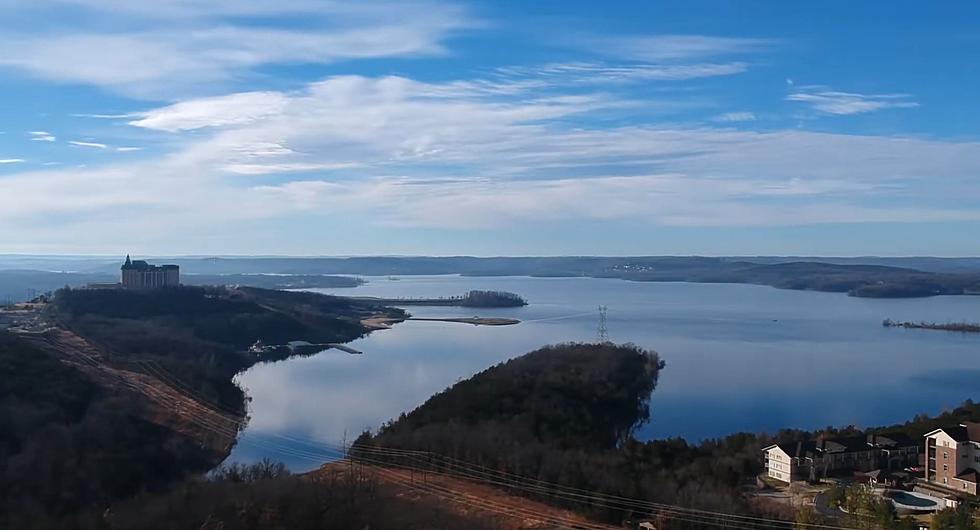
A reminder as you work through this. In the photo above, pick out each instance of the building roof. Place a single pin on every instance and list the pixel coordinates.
(972, 430)
(969, 475)
(892, 440)
(964, 432)
(845, 444)
(795, 449)
(848, 444)
(142, 266)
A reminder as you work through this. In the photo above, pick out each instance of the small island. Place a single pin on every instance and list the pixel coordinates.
(962, 327)
(476, 321)
(474, 298)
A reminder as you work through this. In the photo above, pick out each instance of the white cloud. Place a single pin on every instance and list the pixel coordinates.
(272, 168)
(234, 109)
(93, 145)
(11, 160)
(516, 79)
(128, 149)
(42, 136)
(735, 117)
(103, 116)
(671, 199)
(185, 48)
(678, 47)
(406, 153)
(829, 101)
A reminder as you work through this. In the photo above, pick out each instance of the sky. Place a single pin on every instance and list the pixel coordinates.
(322, 127)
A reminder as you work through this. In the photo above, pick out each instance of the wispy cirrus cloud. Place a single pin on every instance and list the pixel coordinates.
(11, 160)
(233, 109)
(408, 153)
(42, 136)
(600, 73)
(93, 145)
(290, 167)
(825, 100)
(181, 49)
(663, 48)
(732, 117)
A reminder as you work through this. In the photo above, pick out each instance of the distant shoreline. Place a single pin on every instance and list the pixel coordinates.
(380, 322)
(875, 278)
(961, 327)
(474, 298)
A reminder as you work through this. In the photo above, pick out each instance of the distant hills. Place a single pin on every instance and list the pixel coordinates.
(861, 276)
(383, 265)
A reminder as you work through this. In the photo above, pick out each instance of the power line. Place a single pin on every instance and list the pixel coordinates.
(381, 458)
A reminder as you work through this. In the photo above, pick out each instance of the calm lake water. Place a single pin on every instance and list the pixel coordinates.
(739, 358)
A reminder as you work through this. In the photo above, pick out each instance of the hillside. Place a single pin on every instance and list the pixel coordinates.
(19, 285)
(202, 334)
(67, 442)
(112, 393)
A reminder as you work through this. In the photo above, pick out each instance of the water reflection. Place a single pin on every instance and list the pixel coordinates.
(738, 357)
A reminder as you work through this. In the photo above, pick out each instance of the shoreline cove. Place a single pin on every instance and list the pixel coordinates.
(712, 336)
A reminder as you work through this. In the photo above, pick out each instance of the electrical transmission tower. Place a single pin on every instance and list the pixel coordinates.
(602, 333)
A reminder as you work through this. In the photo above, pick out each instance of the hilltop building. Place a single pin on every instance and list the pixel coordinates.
(813, 459)
(953, 457)
(139, 274)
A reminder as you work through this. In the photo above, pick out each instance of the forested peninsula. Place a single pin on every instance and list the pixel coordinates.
(104, 390)
(563, 415)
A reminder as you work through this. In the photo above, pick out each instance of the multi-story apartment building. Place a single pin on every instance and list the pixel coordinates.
(790, 462)
(953, 457)
(812, 459)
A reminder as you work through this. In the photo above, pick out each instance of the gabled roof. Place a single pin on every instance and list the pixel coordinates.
(846, 444)
(849, 444)
(794, 449)
(892, 440)
(964, 432)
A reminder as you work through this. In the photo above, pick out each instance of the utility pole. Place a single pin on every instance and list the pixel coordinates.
(602, 333)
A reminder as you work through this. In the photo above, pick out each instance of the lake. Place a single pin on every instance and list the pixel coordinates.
(739, 358)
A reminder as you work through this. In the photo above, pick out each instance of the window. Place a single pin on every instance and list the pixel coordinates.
(945, 467)
(945, 455)
(977, 459)
(945, 480)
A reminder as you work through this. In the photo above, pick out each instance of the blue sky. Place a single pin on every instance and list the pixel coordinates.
(316, 127)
